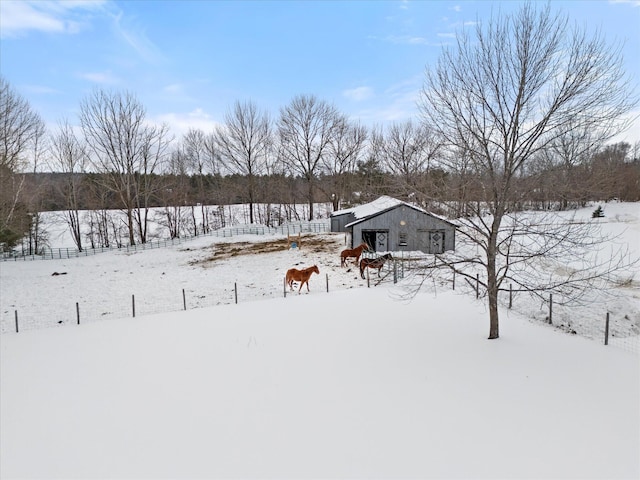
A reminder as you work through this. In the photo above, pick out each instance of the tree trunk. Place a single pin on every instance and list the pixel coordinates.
(132, 238)
(492, 280)
(310, 199)
(492, 292)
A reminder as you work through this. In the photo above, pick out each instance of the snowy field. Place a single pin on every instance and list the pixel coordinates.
(350, 383)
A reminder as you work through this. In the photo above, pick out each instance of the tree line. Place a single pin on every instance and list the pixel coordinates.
(311, 154)
(519, 113)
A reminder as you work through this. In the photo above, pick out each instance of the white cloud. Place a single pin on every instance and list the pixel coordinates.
(633, 3)
(66, 17)
(180, 123)
(134, 36)
(400, 103)
(17, 17)
(39, 89)
(632, 134)
(104, 78)
(411, 40)
(174, 89)
(358, 94)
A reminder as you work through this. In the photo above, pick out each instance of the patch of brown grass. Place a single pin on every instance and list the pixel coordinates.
(312, 243)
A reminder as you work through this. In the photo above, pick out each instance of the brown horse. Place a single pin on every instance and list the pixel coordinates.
(374, 263)
(302, 276)
(352, 253)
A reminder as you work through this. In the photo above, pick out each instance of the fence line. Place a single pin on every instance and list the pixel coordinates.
(622, 333)
(64, 253)
(130, 306)
(617, 332)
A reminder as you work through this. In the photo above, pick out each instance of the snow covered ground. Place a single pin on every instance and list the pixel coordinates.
(349, 383)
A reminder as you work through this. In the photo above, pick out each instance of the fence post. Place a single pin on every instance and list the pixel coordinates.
(454, 280)
(235, 288)
(327, 276)
(510, 295)
(78, 312)
(395, 271)
(184, 300)
(368, 284)
(551, 309)
(477, 286)
(133, 305)
(606, 330)
(17, 329)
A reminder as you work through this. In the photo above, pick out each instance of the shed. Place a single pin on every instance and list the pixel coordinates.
(389, 224)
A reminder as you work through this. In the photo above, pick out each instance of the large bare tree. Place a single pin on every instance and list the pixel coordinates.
(505, 93)
(69, 157)
(21, 130)
(245, 142)
(345, 150)
(127, 150)
(409, 151)
(307, 126)
(201, 157)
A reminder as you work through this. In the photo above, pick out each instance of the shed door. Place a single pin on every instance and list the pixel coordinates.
(381, 242)
(436, 241)
(378, 240)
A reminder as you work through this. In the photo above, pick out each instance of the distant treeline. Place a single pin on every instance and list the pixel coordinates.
(561, 187)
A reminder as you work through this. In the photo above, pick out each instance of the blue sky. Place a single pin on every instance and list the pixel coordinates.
(188, 61)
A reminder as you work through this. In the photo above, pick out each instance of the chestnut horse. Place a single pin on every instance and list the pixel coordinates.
(374, 263)
(352, 253)
(302, 276)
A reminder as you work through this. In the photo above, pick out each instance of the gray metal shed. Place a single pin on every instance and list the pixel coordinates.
(388, 224)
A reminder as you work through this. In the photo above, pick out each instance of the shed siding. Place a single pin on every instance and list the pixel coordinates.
(338, 222)
(414, 235)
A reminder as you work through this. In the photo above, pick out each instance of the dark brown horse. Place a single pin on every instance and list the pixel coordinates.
(302, 276)
(377, 263)
(352, 253)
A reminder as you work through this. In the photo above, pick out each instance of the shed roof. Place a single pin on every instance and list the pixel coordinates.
(381, 205)
(361, 211)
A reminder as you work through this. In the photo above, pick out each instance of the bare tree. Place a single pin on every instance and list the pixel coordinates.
(502, 96)
(345, 150)
(21, 128)
(409, 151)
(371, 175)
(69, 157)
(244, 142)
(306, 127)
(201, 158)
(174, 195)
(126, 150)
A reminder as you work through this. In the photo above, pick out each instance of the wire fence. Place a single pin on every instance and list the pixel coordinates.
(615, 329)
(104, 307)
(64, 253)
(608, 325)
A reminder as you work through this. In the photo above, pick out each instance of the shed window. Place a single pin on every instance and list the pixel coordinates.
(403, 239)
